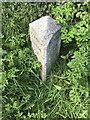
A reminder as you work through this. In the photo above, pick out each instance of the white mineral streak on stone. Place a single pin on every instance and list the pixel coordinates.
(44, 35)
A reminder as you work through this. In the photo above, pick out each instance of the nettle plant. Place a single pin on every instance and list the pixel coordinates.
(75, 20)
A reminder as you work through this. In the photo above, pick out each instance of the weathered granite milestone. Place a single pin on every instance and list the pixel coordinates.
(45, 38)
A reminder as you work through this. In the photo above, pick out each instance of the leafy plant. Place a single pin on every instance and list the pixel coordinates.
(75, 21)
(65, 94)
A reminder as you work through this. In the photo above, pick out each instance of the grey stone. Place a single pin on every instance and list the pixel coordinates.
(45, 39)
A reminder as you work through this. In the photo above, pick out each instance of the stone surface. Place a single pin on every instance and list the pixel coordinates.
(45, 38)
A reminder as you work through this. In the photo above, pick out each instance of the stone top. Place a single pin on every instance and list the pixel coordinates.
(44, 28)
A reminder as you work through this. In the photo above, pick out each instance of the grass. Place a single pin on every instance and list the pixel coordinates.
(25, 96)
(58, 97)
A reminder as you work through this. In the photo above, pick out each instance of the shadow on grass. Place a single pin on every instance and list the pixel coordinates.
(57, 98)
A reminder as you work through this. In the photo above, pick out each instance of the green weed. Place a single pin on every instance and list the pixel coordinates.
(65, 94)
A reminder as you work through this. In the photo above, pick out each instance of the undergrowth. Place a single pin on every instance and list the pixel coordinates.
(65, 94)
